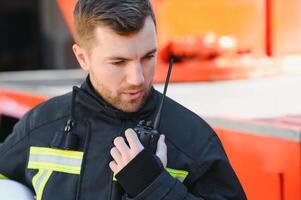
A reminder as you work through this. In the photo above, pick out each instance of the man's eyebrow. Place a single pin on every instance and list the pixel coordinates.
(116, 58)
(125, 59)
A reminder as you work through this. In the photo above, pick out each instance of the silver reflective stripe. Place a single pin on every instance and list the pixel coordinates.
(39, 182)
(55, 160)
(179, 178)
(40, 179)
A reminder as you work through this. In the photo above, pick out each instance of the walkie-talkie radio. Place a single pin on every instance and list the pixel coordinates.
(148, 134)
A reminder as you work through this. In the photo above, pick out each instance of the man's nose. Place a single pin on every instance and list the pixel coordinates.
(135, 74)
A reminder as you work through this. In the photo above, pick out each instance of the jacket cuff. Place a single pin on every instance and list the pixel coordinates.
(164, 187)
(139, 173)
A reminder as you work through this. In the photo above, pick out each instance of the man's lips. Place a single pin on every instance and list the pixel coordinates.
(133, 95)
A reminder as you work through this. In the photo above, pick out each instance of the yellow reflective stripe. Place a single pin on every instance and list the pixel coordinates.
(114, 178)
(55, 160)
(42, 186)
(54, 167)
(39, 181)
(34, 180)
(179, 174)
(2, 177)
(56, 152)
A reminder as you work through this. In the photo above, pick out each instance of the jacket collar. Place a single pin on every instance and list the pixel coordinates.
(94, 102)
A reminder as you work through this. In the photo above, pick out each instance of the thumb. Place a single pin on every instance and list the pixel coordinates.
(162, 150)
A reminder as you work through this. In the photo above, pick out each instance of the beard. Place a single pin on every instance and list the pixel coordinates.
(116, 100)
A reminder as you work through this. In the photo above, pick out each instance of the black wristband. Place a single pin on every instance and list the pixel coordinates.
(139, 173)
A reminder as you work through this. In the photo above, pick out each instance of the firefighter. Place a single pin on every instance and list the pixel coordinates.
(82, 145)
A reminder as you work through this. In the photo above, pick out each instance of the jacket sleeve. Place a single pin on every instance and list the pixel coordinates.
(14, 153)
(216, 180)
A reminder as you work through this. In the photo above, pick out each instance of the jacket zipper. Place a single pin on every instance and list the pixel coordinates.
(85, 150)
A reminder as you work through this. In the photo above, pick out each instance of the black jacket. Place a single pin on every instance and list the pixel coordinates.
(35, 155)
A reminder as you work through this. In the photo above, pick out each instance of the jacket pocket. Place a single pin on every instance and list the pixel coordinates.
(47, 161)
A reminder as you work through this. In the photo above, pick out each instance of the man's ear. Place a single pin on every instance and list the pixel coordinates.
(81, 56)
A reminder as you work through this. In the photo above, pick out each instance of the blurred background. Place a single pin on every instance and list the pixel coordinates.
(238, 65)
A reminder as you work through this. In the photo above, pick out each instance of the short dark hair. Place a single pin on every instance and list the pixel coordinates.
(123, 16)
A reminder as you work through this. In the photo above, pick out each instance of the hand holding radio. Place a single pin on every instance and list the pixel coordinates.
(123, 153)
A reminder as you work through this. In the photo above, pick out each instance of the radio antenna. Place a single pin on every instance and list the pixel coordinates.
(158, 116)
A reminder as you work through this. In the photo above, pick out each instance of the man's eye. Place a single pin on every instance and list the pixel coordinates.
(118, 62)
(149, 56)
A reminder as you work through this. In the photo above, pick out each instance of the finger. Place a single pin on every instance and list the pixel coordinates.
(162, 150)
(116, 155)
(132, 139)
(161, 146)
(114, 167)
(122, 147)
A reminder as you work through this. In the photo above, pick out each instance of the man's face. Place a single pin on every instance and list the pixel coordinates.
(121, 68)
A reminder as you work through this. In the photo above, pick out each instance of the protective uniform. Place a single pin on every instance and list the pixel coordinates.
(61, 150)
